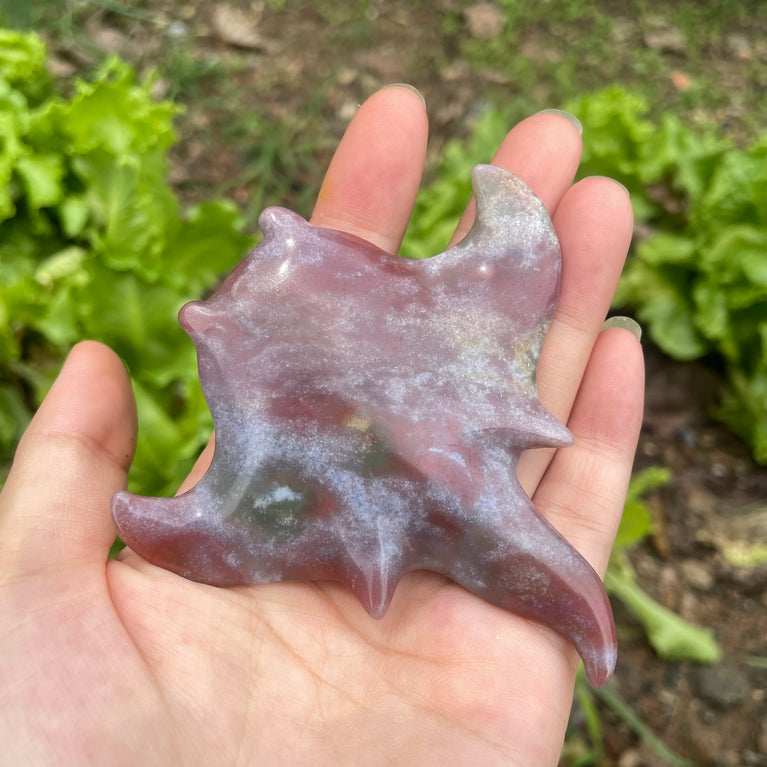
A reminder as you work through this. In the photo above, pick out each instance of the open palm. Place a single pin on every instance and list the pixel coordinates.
(118, 662)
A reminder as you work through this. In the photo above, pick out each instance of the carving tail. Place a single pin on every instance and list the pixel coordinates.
(174, 533)
(534, 572)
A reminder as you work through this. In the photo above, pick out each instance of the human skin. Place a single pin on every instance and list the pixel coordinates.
(119, 662)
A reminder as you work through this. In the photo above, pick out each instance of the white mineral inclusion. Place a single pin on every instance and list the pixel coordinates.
(278, 495)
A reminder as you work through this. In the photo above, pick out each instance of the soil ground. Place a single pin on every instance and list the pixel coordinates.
(268, 92)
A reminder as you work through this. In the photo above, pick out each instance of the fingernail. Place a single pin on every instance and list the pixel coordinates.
(408, 87)
(572, 119)
(626, 323)
(614, 182)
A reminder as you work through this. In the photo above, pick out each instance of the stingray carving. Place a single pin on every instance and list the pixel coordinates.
(369, 413)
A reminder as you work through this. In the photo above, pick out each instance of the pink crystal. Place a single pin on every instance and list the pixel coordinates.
(369, 413)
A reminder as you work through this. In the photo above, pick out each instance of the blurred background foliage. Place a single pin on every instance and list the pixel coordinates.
(95, 242)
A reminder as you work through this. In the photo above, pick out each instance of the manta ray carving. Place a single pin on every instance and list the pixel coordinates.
(369, 413)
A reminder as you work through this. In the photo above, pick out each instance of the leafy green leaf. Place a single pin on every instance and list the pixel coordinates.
(636, 521)
(14, 122)
(131, 209)
(744, 408)
(140, 320)
(94, 243)
(22, 62)
(167, 447)
(208, 245)
(672, 637)
(646, 480)
(74, 212)
(42, 175)
(669, 314)
(698, 281)
(116, 115)
(668, 248)
(686, 157)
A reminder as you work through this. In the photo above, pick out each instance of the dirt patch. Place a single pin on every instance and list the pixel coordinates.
(714, 503)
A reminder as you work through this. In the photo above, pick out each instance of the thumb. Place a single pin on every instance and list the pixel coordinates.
(75, 454)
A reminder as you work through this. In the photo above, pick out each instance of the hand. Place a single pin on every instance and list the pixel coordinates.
(119, 662)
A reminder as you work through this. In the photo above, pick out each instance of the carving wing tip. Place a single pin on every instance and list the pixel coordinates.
(496, 187)
(275, 216)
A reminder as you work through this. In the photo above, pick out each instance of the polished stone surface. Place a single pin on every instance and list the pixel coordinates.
(369, 413)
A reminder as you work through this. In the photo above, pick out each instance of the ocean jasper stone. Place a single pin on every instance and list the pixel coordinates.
(370, 411)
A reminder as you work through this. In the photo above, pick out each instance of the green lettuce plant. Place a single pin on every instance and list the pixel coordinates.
(698, 282)
(672, 637)
(95, 244)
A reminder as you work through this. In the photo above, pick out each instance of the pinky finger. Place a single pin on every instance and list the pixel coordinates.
(584, 489)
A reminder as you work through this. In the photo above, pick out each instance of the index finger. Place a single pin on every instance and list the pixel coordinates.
(544, 151)
(373, 178)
